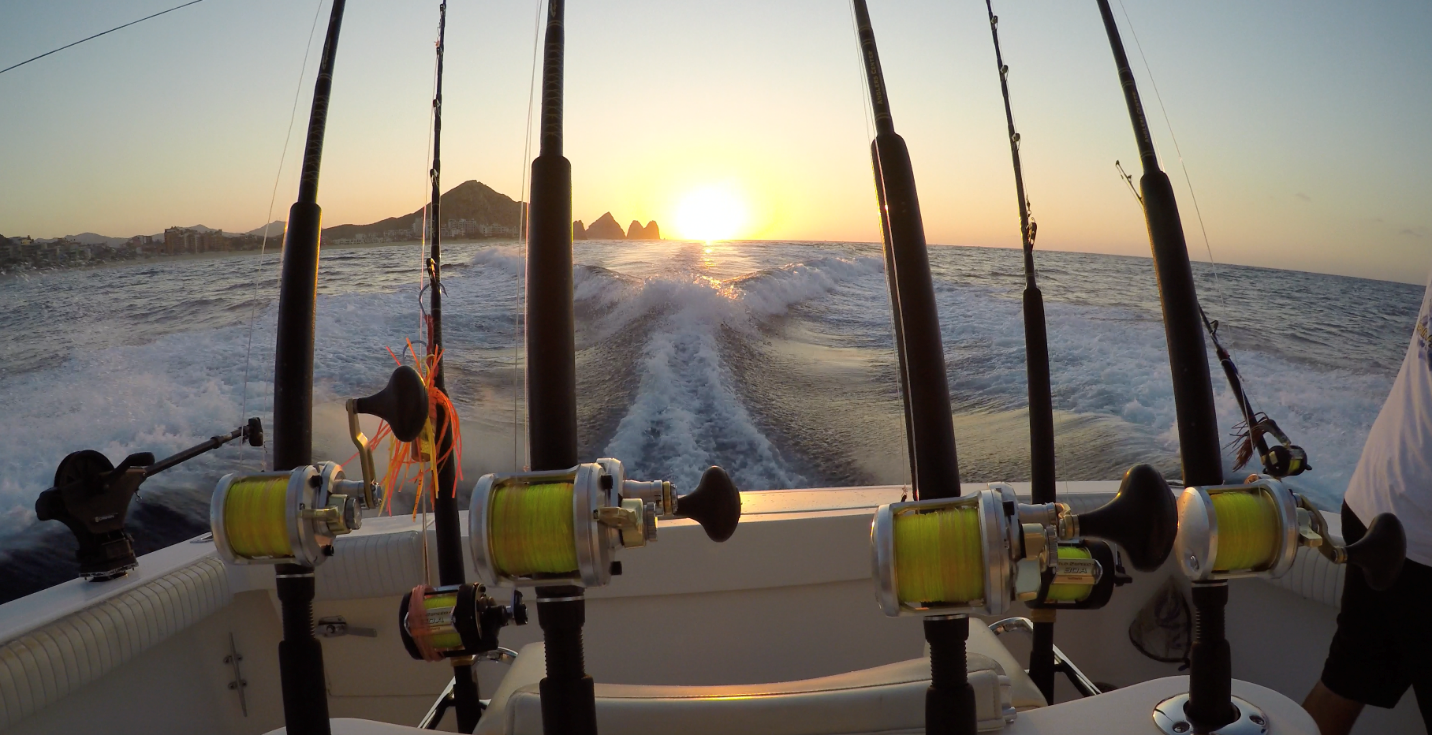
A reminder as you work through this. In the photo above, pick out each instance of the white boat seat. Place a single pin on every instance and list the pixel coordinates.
(883, 699)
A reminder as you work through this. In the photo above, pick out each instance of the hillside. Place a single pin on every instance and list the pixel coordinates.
(470, 200)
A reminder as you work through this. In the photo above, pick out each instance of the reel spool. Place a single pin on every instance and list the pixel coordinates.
(563, 526)
(1255, 530)
(284, 517)
(978, 553)
(293, 517)
(456, 621)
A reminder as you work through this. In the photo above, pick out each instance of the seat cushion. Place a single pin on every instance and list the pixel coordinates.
(883, 699)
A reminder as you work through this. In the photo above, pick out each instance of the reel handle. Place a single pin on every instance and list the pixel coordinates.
(1380, 552)
(1142, 518)
(403, 403)
(715, 504)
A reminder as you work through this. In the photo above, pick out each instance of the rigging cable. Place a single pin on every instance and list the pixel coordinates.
(268, 219)
(97, 35)
(519, 387)
(1041, 393)
(869, 116)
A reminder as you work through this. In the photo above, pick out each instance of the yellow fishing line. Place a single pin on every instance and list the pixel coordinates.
(1248, 531)
(442, 636)
(255, 519)
(939, 557)
(531, 530)
(1070, 592)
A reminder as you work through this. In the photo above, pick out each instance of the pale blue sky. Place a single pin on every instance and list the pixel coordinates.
(1304, 124)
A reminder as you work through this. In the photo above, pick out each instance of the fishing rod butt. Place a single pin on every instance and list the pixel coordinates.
(568, 694)
(300, 655)
(1183, 327)
(930, 416)
(950, 700)
(551, 322)
(1041, 403)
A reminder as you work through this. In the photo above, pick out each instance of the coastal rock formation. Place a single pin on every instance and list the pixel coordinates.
(637, 232)
(470, 209)
(605, 228)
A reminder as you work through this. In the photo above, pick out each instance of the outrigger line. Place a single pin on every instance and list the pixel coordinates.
(1041, 398)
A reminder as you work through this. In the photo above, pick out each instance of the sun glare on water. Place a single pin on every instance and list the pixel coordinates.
(711, 213)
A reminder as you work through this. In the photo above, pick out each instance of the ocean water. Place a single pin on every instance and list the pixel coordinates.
(773, 360)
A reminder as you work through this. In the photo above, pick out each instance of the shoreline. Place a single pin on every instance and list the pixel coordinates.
(187, 257)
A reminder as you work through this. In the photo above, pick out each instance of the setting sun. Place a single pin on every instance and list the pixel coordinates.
(711, 213)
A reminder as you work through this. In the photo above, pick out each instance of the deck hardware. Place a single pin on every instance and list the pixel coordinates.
(584, 514)
(1170, 719)
(335, 626)
(91, 497)
(238, 683)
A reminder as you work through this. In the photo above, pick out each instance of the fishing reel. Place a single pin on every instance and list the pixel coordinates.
(563, 526)
(1255, 530)
(457, 621)
(979, 553)
(293, 517)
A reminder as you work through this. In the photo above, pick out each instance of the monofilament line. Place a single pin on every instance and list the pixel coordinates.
(518, 384)
(97, 35)
(268, 219)
(1169, 124)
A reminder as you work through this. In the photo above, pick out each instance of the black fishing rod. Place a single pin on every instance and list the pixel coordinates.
(934, 466)
(569, 704)
(445, 509)
(1210, 703)
(305, 695)
(1041, 394)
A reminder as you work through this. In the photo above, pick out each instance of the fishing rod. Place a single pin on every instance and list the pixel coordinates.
(1218, 524)
(1210, 704)
(445, 508)
(934, 466)
(568, 694)
(305, 694)
(1041, 399)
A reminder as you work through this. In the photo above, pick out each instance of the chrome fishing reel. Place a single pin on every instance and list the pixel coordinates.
(563, 526)
(293, 517)
(1255, 530)
(979, 553)
(457, 621)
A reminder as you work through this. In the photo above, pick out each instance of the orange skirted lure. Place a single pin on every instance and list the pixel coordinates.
(412, 462)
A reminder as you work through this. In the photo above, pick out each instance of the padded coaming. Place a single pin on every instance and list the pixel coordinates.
(43, 666)
(369, 566)
(1314, 577)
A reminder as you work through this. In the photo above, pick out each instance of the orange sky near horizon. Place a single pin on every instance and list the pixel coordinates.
(1294, 121)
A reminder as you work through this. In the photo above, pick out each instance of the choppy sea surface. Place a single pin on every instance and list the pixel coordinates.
(772, 359)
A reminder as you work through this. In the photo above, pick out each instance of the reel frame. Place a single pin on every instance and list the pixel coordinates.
(319, 506)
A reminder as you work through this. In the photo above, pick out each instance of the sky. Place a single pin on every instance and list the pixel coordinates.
(1303, 124)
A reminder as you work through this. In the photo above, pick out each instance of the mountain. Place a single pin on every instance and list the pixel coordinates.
(275, 229)
(470, 200)
(637, 232)
(605, 228)
(90, 238)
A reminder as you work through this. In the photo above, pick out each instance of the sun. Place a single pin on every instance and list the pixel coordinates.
(711, 213)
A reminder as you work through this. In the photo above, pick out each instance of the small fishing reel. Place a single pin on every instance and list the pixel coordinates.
(978, 553)
(1255, 530)
(293, 517)
(457, 621)
(563, 526)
